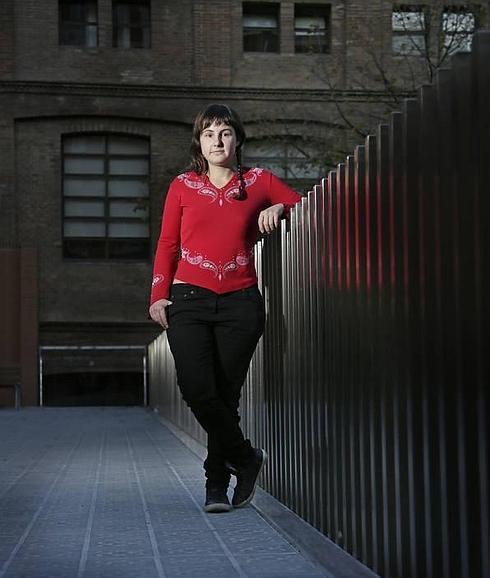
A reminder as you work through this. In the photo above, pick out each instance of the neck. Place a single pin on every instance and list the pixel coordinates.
(217, 173)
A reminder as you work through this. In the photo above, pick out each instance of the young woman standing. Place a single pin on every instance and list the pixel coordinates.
(205, 294)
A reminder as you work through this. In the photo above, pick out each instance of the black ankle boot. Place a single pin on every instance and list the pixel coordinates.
(216, 499)
(247, 478)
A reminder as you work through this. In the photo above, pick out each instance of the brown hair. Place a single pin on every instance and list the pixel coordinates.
(221, 114)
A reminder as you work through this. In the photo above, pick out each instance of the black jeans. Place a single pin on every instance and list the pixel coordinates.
(212, 338)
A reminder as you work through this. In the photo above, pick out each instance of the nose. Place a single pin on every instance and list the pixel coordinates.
(218, 141)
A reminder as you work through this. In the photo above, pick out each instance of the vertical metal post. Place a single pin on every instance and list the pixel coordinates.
(40, 377)
(145, 382)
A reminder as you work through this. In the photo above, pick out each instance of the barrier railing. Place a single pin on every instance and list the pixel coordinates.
(369, 387)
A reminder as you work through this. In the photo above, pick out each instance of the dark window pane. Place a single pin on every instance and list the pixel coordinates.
(311, 28)
(139, 14)
(137, 37)
(78, 23)
(73, 12)
(131, 25)
(91, 12)
(83, 249)
(73, 35)
(121, 13)
(129, 249)
(120, 37)
(311, 43)
(82, 11)
(260, 27)
(260, 41)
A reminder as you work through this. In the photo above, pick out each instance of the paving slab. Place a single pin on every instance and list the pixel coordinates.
(110, 492)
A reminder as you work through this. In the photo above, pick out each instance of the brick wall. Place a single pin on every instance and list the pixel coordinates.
(39, 56)
(214, 26)
(200, 42)
(286, 69)
(73, 291)
(6, 39)
(8, 231)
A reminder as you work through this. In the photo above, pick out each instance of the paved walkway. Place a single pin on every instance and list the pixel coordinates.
(111, 492)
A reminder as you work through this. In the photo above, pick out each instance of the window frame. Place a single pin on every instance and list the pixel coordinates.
(260, 9)
(84, 24)
(286, 161)
(456, 9)
(107, 241)
(420, 33)
(325, 11)
(145, 27)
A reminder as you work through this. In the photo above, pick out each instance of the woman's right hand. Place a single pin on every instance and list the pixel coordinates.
(158, 313)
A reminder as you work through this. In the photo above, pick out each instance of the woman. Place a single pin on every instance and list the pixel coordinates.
(205, 294)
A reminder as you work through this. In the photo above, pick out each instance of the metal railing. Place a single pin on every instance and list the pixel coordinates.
(369, 387)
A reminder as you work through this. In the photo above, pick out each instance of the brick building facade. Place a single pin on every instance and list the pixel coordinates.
(116, 84)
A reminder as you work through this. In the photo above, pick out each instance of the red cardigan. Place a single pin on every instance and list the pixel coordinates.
(207, 236)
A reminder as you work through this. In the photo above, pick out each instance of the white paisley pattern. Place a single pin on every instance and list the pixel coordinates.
(157, 279)
(252, 175)
(220, 270)
(203, 187)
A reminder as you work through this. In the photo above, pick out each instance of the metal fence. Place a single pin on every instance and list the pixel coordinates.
(369, 387)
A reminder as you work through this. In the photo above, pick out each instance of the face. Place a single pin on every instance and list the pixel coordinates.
(218, 144)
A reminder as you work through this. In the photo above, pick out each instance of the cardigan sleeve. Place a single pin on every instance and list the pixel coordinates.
(168, 247)
(280, 192)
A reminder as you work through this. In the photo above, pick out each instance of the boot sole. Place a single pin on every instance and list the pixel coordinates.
(249, 499)
(217, 508)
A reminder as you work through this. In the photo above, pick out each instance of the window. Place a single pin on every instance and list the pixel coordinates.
(292, 159)
(311, 24)
(78, 23)
(131, 24)
(260, 27)
(105, 197)
(408, 27)
(458, 26)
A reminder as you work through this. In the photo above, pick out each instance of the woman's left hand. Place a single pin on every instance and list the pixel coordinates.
(269, 218)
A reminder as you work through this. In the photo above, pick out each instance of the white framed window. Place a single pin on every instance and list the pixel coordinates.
(408, 24)
(105, 196)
